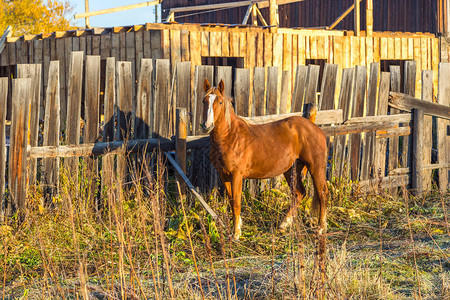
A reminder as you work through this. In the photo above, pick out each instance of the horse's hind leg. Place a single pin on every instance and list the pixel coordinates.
(318, 174)
(298, 191)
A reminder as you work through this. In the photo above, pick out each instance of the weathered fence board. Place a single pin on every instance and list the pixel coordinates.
(144, 103)
(259, 87)
(299, 89)
(224, 73)
(183, 84)
(328, 88)
(409, 88)
(368, 156)
(381, 144)
(3, 100)
(33, 71)
(443, 145)
(393, 142)
(75, 85)
(427, 95)
(285, 91)
(109, 122)
(17, 181)
(162, 100)
(50, 178)
(241, 92)
(344, 104)
(91, 115)
(271, 93)
(312, 80)
(359, 92)
(201, 73)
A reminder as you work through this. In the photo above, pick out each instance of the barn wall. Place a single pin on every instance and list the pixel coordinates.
(389, 15)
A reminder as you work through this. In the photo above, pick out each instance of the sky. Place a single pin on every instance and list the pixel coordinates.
(128, 17)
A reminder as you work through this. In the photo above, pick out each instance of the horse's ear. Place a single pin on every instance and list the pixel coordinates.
(221, 86)
(206, 85)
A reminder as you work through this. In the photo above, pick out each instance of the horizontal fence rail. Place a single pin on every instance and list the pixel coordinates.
(378, 135)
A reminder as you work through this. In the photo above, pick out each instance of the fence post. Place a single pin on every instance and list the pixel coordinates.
(417, 151)
(180, 144)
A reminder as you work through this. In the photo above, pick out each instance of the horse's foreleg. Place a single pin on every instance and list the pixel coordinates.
(236, 187)
(298, 191)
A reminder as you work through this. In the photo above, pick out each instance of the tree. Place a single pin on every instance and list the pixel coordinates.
(34, 16)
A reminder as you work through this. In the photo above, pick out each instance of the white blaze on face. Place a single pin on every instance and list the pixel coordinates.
(210, 116)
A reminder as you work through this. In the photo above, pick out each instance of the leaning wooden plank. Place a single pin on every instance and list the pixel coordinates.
(161, 105)
(285, 92)
(271, 93)
(381, 144)
(427, 95)
(201, 73)
(326, 99)
(21, 95)
(409, 88)
(109, 122)
(3, 99)
(339, 159)
(368, 156)
(33, 71)
(144, 106)
(299, 89)
(224, 73)
(393, 142)
(358, 100)
(192, 189)
(443, 144)
(259, 85)
(91, 129)
(183, 80)
(406, 103)
(312, 80)
(74, 113)
(241, 91)
(50, 178)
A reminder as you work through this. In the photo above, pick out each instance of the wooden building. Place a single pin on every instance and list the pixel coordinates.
(238, 46)
(388, 15)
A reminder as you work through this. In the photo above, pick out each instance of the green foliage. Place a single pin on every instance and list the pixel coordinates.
(34, 16)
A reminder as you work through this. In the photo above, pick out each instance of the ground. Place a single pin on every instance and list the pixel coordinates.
(381, 245)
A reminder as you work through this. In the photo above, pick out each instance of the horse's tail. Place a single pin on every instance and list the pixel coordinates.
(310, 112)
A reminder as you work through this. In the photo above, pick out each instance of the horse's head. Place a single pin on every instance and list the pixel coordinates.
(213, 105)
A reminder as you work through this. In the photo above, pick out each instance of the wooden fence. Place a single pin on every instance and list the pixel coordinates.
(366, 144)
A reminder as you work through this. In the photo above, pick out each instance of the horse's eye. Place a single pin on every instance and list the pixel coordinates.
(220, 102)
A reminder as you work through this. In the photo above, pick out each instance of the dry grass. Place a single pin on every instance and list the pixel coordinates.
(143, 244)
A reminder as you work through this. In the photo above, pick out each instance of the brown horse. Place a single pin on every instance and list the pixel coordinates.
(240, 150)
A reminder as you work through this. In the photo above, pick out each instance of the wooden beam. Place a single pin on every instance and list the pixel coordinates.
(86, 9)
(357, 21)
(341, 17)
(115, 9)
(260, 3)
(273, 13)
(247, 14)
(369, 17)
(202, 201)
(4, 38)
(407, 103)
